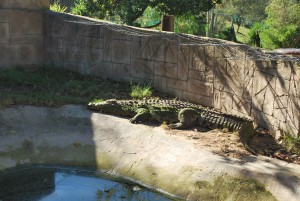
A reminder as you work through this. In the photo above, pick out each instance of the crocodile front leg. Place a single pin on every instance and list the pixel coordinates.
(187, 117)
(142, 115)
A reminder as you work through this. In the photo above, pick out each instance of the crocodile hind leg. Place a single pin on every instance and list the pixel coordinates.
(142, 115)
(187, 117)
(246, 132)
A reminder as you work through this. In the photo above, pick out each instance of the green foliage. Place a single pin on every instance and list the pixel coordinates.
(283, 25)
(228, 34)
(247, 11)
(57, 8)
(179, 7)
(187, 23)
(150, 15)
(130, 10)
(243, 13)
(242, 36)
(138, 91)
(291, 144)
(274, 23)
(190, 24)
(90, 8)
(80, 8)
(254, 34)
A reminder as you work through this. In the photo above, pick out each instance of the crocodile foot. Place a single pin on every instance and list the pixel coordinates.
(133, 121)
(176, 126)
(142, 115)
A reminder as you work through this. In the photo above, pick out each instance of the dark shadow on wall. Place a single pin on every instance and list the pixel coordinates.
(266, 90)
(68, 43)
(243, 84)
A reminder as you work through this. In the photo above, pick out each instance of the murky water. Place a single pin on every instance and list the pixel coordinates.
(68, 184)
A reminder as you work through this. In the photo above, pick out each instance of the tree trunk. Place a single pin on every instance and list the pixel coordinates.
(212, 23)
(208, 24)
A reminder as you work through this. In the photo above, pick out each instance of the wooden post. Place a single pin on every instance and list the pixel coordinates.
(167, 23)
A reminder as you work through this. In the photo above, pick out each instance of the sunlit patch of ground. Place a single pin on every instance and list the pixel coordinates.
(228, 144)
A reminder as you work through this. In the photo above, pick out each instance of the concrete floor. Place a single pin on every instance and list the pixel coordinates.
(72, 135)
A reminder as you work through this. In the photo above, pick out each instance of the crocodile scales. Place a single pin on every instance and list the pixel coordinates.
(178, 115)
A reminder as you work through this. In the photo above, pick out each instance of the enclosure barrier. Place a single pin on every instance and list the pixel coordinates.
(232, 78)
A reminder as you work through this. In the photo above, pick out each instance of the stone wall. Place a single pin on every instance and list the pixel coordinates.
(22, 32)
(229, 77)
(213, 73)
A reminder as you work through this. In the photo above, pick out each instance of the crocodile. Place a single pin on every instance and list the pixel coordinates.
(177, 114)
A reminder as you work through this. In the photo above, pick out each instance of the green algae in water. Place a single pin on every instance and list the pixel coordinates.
(60, 184)
(232, 188)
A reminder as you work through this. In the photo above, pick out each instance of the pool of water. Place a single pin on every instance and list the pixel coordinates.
(46, 183)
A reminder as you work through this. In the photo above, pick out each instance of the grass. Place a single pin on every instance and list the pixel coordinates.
(57, 8)
(53, 87)
(291, 144)
(242, 36)
(138, 91)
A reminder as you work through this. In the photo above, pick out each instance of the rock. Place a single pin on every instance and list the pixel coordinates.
(278, 134)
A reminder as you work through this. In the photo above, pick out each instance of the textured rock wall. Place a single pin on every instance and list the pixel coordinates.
(212, 72)
(206, 71)
(22, 32)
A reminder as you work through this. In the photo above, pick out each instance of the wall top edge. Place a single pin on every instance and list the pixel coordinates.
(25, 4)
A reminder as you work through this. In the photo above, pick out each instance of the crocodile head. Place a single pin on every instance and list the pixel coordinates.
(103, 106)
(111, 106)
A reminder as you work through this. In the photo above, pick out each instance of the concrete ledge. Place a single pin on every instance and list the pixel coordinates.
(72, 135)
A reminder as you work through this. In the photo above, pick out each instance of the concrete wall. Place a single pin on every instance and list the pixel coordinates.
(214, 73)
(22, 32)
(210, 72)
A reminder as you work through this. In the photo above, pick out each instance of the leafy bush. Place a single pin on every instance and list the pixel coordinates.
(190, 24)
(138, 91)
(227, 34)
(80, 8)
(291, 144)
(149, 16)
(57, 8)
(284, 37)
(187, 23)
(254, 34)
(282, 25)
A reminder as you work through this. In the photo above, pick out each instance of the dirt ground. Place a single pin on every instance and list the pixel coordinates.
(228, 144)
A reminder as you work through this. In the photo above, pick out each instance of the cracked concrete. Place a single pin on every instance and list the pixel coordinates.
(72, 135)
